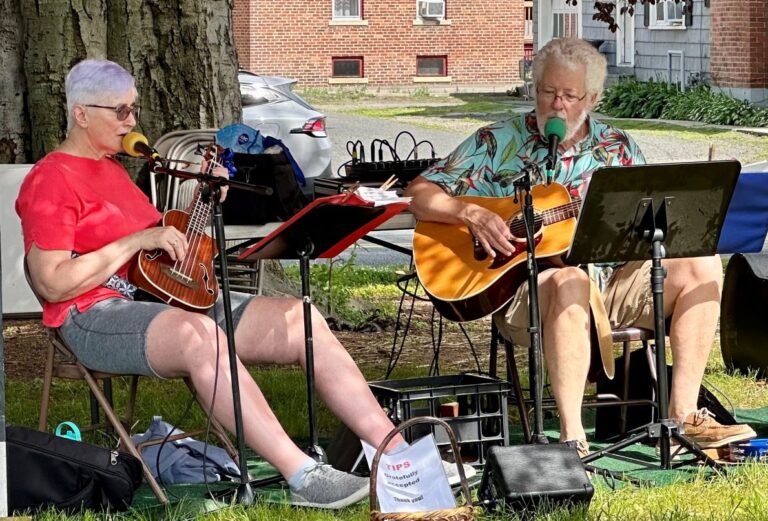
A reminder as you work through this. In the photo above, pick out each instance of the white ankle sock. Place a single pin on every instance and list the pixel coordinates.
(296, 481)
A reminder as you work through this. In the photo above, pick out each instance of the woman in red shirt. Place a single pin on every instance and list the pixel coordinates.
(83, 221)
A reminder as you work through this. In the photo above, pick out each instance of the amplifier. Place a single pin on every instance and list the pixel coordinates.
(524, 477)
(380, 171)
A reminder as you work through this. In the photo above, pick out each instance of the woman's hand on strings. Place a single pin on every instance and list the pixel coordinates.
(214, 168)
(167, 238)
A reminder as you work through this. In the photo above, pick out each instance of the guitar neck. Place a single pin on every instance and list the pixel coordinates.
(198, 217)
(561, 213)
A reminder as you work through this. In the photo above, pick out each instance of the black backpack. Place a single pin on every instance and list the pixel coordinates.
(270, 170)
(50, 471)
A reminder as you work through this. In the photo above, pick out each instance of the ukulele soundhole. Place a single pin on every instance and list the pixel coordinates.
(207, 280)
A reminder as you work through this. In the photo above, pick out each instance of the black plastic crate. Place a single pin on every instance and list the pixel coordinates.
(482, 416)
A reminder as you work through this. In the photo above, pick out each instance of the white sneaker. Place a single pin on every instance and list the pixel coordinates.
(452, 472)
(326, 487)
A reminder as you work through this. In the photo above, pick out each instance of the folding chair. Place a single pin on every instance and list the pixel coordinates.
(625, 336)
(61, 362)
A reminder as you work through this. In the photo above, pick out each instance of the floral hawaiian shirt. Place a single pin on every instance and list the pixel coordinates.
(487, 162)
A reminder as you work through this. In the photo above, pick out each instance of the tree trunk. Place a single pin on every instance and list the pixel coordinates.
(58, 35)
(181, 53)
(14, 127)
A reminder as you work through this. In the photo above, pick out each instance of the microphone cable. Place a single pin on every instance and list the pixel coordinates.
(208, 413)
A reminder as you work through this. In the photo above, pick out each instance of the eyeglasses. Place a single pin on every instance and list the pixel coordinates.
(122, 110)
(549, 96)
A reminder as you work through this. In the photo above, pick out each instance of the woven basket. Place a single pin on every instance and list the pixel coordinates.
(462, 513)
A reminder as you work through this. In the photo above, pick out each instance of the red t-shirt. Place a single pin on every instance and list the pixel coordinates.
(80, 205)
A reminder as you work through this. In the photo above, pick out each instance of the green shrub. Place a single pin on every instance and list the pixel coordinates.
(633, 99)
(653, 99)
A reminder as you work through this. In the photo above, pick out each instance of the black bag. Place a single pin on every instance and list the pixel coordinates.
(274, 171)
(47, 470)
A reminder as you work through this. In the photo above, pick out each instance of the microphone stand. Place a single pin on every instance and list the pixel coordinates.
(523, 184)
(244, 495)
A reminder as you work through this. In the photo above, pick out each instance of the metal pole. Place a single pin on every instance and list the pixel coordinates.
(244, 490)
(314, 449)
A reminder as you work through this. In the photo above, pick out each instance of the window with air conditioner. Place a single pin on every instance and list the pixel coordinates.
(431, 8)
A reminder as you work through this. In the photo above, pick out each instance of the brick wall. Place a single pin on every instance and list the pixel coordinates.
(739, 51)
(483, 42)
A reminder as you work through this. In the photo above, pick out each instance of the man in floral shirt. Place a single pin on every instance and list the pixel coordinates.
(568, 77)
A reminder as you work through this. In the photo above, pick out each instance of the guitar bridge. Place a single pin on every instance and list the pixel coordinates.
(184, 279)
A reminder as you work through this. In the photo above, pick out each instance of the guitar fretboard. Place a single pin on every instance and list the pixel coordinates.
(560, 213)
(547, 217)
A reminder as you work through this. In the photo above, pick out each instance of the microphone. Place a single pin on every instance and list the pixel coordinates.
(137, 145)
(555, 132)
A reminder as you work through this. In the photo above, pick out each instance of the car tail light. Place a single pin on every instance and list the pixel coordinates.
(314, 127)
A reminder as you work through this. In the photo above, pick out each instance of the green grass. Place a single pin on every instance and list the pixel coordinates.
(352, 293)
(741, 495)
(457, 106)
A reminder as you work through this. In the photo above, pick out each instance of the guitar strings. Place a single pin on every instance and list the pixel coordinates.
(517, 224)
(194, 231)
(199, 223)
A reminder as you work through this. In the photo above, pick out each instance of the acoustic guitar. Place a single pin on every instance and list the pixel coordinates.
(189, 283)
(462, 280)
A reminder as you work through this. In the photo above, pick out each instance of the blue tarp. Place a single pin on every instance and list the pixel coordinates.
(746, 223)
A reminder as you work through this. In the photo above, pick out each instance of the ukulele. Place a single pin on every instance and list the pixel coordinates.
(189, 283)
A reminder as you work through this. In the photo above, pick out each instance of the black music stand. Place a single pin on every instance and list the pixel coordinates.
(654, 212)
(211, 186)
(322, 229)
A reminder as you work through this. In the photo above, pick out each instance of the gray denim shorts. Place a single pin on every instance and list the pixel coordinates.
(111, 335)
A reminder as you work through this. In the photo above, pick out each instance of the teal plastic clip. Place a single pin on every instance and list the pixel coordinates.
(68, 430)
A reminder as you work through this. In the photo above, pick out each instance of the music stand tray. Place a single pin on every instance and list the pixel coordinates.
(610, 214)
(330, 223)
(652, 212)
(322, 229)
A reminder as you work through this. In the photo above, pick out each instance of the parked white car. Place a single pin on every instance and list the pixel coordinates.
(271, 106)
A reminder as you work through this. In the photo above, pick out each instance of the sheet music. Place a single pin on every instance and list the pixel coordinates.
(380, 197)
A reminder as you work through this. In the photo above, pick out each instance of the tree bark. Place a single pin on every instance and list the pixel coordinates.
(181, 52)
(14, 126)
(58, 35)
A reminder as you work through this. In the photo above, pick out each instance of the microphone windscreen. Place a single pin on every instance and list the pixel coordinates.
(131, 139)
(555, 126)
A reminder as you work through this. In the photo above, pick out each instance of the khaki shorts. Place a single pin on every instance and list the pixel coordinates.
(628, 301)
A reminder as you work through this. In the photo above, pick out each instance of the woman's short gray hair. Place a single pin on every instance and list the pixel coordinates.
(95, 81)
(570, 52)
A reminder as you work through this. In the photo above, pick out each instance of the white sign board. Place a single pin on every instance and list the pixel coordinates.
(17, 297)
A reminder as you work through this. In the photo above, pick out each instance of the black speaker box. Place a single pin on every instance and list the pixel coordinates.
(743, 327)
(525, 477)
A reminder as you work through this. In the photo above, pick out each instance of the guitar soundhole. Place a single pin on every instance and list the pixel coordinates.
(517, 226)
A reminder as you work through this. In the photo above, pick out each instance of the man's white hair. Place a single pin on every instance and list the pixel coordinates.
(95, 82)
(571, 52)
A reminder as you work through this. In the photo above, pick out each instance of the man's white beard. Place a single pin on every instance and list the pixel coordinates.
(570, 130)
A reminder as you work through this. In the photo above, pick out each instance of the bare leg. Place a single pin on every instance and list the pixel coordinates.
(183, 344)
(692, 296)
(564, 304)
(272, 331)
